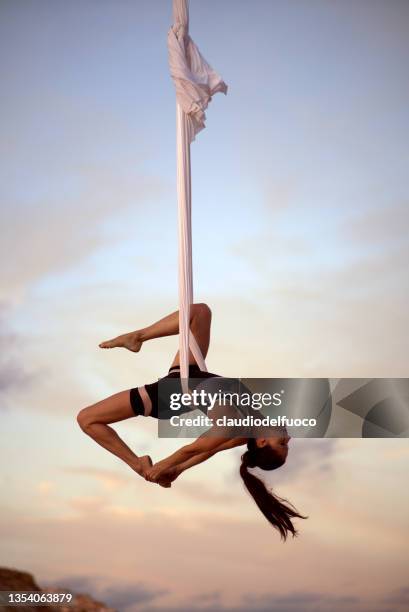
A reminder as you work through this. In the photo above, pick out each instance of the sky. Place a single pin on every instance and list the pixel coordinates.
(300, 216)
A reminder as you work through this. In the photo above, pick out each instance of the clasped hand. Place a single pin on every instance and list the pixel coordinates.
(161, 473)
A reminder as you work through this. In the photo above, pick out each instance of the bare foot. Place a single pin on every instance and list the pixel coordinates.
(130, 341)
(142, 465)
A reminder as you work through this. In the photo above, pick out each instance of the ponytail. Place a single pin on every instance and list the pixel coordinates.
(278, 513)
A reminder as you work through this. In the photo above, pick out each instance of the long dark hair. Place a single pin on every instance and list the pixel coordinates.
(277, 511)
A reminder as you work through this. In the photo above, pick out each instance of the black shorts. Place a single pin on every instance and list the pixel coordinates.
(145, 400)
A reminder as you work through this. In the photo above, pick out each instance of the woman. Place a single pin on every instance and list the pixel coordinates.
(267, 453)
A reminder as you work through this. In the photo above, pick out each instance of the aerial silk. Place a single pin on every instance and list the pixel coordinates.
(195, 82)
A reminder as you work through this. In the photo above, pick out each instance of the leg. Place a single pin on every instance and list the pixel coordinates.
(200, 320)
(94, 420)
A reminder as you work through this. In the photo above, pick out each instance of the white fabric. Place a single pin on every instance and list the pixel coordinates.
(195, 82)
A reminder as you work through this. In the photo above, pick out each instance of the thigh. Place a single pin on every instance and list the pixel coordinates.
(114, 408)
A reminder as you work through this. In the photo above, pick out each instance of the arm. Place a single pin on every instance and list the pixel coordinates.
(211, 442)
(195, 460)
(192, 454)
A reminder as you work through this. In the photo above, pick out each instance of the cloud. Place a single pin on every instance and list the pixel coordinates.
(13, 373)
(294, 602)
(270, 602)
(176, 553)
(307, 458)
(346, 321)
(299, 600)
(78, 583)
(337, 299)
(60, 205)
(123, 597)
(119, 594)
(109, 478)
(45, 486)
(59, 229)
(207, 599)
(399, 598)
(205, 493)
(313, 457)
(377, 225)
(88, 504)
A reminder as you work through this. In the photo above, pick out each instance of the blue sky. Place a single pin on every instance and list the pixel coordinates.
(300, 216)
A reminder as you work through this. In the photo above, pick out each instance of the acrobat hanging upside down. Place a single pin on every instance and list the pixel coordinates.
(195, 84)
(267, 453)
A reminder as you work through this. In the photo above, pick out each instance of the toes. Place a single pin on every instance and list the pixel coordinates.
(106, 344)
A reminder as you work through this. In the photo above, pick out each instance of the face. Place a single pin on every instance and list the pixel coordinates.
(278, 443)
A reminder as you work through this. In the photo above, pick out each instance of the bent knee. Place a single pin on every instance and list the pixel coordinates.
(202, 310)
(84, 420)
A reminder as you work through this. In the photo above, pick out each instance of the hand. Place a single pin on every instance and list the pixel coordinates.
(144, 464)
(164, 483)
(166, 478)
(157, 472)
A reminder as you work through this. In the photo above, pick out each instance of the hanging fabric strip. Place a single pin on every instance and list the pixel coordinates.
(195, 82)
